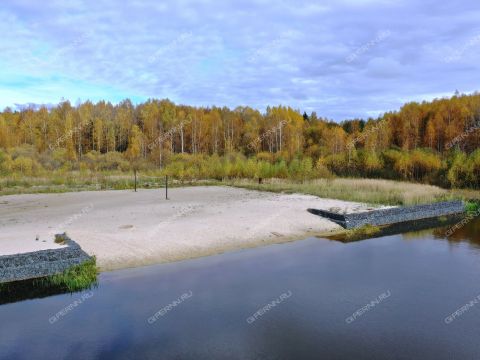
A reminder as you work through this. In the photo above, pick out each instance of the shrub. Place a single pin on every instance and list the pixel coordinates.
(26, 166)
(321, 171)
(457, 173)
(5, 163)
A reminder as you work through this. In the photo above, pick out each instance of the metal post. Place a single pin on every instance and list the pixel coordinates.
(135, 171)
(166, 187)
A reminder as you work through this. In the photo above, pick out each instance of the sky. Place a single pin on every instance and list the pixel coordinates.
(341, 58)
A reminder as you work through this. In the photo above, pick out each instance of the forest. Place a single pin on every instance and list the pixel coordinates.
(433, 142)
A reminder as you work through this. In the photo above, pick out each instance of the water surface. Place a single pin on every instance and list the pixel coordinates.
(317, 287)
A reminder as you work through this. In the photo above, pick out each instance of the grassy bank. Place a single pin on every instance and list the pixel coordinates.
(74, 279)
(78, 181)
(371, 191)
(77, 278)
(472, 206)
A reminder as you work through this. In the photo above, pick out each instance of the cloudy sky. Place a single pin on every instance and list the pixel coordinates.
(340, 58)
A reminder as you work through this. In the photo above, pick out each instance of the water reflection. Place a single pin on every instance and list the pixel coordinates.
(470, 233)
(28, 290)
(409, 228)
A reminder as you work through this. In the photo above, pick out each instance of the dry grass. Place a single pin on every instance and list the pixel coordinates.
(76, 181)
(371, 191)
(467, 194)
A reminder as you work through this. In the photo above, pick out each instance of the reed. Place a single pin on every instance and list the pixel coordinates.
(370, 191)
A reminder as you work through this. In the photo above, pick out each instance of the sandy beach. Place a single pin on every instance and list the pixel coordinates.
(126, 229)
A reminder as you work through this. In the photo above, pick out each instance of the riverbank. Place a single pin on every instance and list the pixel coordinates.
(127, 229)
(364, 190)
(372, 191)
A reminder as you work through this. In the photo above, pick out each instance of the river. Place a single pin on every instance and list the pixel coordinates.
(414, 295)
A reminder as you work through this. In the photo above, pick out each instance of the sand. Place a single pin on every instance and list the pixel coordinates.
(127, 229)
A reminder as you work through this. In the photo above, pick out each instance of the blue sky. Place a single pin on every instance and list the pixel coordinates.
(340, 58)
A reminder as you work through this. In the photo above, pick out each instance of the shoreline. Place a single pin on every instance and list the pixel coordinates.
(258, 243)
(124, 229)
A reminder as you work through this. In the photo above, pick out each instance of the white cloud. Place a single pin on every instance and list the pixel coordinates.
(200, 52)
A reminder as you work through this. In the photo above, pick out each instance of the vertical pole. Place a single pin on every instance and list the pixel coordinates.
(166, 187)
(135, 171)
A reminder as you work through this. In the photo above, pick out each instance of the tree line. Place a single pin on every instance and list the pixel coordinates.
(435, 142)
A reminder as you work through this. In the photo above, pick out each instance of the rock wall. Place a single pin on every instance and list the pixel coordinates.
(393, 215)
(41, 263)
